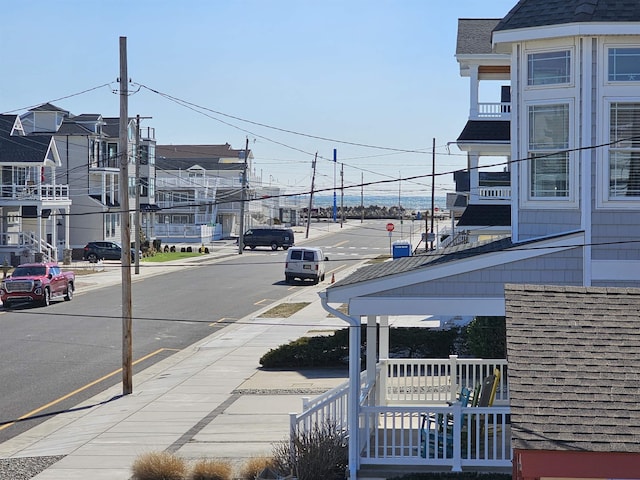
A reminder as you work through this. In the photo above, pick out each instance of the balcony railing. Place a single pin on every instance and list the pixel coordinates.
(36, 192)
(494, 193)
(497, 111)
(396, 412)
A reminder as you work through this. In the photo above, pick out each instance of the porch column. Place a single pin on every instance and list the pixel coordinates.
(384, 337)
(473, 91)
(372, 340)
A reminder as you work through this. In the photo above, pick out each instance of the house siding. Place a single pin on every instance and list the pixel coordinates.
(561, 268)
(615, 235)
(542, 223)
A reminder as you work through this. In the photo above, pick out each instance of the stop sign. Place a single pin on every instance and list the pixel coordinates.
(390, 227)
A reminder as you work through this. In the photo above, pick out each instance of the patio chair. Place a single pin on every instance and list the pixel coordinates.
(437, 434)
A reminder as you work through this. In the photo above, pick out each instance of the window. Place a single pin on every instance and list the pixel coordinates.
(624, 154)
(624, 64)
(144, 186)
(549, 168)
(549, 68)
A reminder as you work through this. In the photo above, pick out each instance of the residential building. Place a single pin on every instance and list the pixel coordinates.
(200, 192)
(574, 73)
(88, 147)
(34, 199)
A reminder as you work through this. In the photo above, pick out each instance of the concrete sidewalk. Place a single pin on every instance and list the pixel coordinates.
(209, 400)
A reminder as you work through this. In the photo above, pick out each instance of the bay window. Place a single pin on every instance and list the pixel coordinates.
(624, 64)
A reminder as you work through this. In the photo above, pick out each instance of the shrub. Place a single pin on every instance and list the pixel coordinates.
(321, 351)
(318, 454)
(253, 466)
(207, 469)
(159, 466)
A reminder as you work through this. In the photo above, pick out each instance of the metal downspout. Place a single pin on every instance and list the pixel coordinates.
(354, 383)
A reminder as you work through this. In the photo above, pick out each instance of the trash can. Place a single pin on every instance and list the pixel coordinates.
(401, 249)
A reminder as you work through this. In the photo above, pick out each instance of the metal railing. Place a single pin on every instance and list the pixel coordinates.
(44, 191)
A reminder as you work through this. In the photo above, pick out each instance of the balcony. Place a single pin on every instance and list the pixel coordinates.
(41, 192)
(406, 392)
(492, 111)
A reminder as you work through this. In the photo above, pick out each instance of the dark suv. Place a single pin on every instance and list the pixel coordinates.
(269, 237)
(94, 251)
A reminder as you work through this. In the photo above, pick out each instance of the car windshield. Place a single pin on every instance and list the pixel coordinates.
(34, 271)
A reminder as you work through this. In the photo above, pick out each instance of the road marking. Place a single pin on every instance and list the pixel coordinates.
(223, 319)
(339, 243)
(88, 385)
(260, 302)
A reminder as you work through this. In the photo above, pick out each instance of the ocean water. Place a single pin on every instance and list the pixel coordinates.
(413, 202)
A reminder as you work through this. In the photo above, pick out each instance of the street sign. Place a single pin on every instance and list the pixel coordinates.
(390, 227)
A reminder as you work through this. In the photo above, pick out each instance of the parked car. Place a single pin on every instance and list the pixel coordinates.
(269, 237)
(37, 283)
(305, 263)
(94, 251)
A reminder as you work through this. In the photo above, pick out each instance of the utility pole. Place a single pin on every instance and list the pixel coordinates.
(341, 194)
(361, 197)
(433, 187)
(137, 214)
(313, 179)
(243, 197)
(125, 223)
(335, 205)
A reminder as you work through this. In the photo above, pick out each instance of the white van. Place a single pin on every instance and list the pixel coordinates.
(305, 263)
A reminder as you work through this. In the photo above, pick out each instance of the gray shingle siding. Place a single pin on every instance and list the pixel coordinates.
(616, 235)
(539, 223)
(574, 367)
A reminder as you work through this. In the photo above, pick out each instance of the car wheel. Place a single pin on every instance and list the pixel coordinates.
(252, 247)
(288, 279)
(285, 247)
(46, 298)
(322, 278)
(7, 304)
(316, 280)
(69, 295)
(92, 257)
(274, 246)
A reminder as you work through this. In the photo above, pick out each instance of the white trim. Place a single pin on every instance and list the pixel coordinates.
(564, 30)
(427, 305)
(558, 203)
(586, 157)
(616, 270)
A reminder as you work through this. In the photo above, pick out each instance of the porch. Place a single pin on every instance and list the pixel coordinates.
(398, 412)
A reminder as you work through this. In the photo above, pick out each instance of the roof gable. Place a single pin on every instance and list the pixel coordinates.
(574, 367)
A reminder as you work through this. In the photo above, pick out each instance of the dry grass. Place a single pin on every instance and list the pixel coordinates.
(378, 259)
(207, 469)
(284, 310)
(159, 466)
(253, 466)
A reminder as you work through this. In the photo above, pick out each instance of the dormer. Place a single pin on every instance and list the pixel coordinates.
(46, 118)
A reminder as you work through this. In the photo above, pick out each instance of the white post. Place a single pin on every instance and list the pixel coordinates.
(384, 357)
(453, 374)
(372, 340)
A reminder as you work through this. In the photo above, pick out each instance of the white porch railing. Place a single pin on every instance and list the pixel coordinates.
(494, 193)
(394, 418)
(36, 192)
(498, 110)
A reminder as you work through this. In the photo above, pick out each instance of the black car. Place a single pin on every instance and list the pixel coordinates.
(268, 237)
(94, 251)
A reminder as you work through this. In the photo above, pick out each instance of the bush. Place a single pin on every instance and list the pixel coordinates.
(487, 337)
(253, 466)
(206, 469)
(321, 351)
(319, 454)
(159, 466)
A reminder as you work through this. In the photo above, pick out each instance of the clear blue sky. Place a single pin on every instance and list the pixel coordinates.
(370, 72)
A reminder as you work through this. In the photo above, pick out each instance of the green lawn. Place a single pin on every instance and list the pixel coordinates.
(165, 257)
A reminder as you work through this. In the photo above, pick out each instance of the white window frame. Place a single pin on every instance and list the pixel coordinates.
(558, 49)
(573, 176)
(607, 61)
(603, 199)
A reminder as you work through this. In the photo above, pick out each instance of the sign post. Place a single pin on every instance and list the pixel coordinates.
(390, 227)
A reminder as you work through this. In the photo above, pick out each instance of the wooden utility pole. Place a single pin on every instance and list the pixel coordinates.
(313, 179)
(125, 223)
(361, 197)
(243, 197)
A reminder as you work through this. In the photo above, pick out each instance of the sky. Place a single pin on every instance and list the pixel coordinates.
(376, 80)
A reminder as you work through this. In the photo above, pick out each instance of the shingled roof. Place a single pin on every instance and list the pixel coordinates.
(21, 149)
(574, 367)
(538, 13)
(474, 36)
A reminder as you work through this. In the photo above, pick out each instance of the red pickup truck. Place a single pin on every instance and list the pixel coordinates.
(37, 283)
